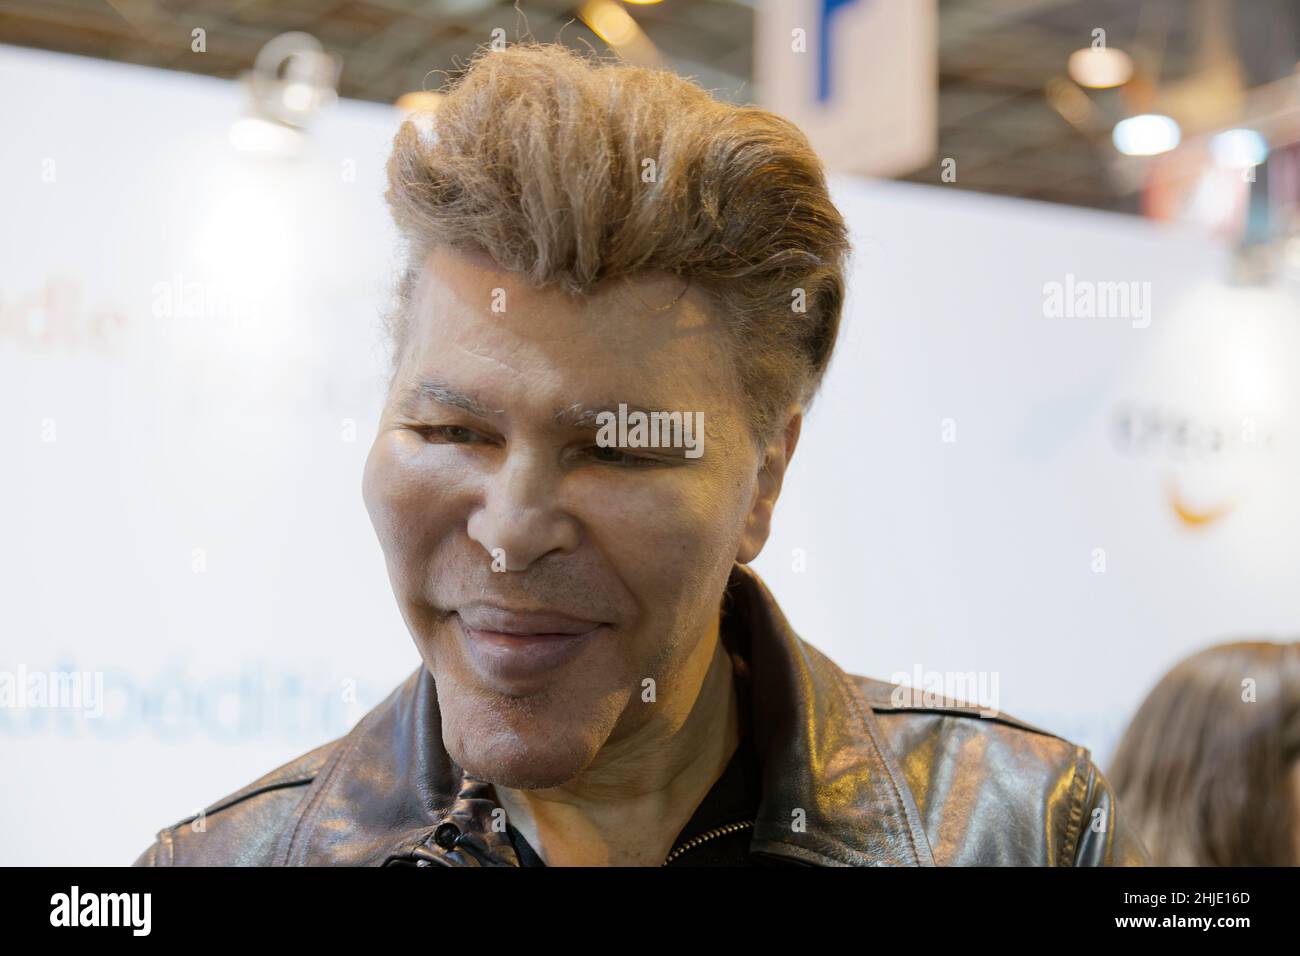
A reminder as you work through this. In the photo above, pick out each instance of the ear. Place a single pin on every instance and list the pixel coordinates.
(776, 457)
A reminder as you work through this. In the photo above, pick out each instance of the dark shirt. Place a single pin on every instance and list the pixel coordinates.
(733, 798)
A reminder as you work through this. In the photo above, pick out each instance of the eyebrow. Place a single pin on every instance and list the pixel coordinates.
(585, 417)
(415, 392)
(576, 415)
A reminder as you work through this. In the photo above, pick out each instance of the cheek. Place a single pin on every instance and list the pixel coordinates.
(410, 500)
(665, 538)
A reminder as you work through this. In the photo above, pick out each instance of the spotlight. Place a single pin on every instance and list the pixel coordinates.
(1100, 69)
(1146, 135)
(1239, 148)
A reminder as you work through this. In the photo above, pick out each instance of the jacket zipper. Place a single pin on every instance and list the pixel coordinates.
(705, 837)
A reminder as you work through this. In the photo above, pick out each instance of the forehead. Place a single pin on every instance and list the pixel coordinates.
(653, 340)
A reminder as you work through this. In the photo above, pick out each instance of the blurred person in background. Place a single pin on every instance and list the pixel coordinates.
(1209, 768)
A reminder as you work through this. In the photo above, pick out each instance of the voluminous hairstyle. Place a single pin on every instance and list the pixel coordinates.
(571, 171)
(1207, 768)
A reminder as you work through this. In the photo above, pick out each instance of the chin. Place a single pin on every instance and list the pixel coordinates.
(523, 771)
(515, 743)
(519, 764)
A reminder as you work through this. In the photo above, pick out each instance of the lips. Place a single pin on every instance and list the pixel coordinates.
(521, 648)
(486, 617)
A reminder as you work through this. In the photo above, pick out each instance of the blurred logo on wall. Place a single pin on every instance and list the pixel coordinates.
(1206, 463)
(257, 699)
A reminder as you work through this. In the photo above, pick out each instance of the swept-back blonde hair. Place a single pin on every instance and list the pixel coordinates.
(537, 156)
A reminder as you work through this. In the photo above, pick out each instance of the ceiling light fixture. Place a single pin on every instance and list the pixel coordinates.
(1146, 135)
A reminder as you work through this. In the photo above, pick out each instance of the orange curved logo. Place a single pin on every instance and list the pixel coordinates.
(1194, 517)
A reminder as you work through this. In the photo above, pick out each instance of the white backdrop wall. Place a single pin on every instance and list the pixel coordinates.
(191, 372)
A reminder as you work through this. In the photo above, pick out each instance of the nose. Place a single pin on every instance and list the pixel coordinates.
(519, 520)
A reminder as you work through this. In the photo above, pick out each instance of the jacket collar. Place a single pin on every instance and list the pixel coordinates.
(833, 794)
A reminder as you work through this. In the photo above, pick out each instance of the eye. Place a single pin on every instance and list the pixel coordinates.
(451, 434)
(611, 455)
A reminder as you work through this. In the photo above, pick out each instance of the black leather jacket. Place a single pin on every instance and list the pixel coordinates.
(879, 784)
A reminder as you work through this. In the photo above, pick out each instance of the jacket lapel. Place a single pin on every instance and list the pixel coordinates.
(387, 789)
(832, 794)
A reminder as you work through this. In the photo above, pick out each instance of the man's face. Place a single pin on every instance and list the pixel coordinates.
(609, 562)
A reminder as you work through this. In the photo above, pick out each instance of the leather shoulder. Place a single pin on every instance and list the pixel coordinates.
(885, 697)
(992, 789)
(240, 829)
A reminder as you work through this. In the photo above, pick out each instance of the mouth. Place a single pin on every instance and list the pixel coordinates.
(521, 647)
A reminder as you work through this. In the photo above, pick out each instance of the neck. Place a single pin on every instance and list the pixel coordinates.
(629, 805)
